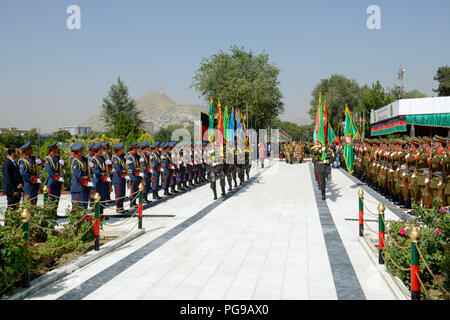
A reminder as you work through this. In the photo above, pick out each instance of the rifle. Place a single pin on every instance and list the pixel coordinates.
(128, 174)
(61, 175)
(427, 184)
(141, 155)
(107, 172)
(36, 169)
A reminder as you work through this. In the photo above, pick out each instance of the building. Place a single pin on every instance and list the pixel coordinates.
(77, 130)
(13, 129)
(413, 117)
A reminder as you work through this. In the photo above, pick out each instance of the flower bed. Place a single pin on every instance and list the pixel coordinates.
(49, 247)
(434, 248)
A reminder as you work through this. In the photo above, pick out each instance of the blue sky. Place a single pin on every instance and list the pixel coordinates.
(52, 76)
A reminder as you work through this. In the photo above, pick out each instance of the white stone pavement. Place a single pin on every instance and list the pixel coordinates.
(264, 242)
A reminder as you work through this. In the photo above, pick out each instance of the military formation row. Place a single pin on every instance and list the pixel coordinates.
(154, 165)
(407, 172)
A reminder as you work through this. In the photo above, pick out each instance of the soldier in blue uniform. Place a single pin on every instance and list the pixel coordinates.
(119, 177)
(146, 166)
(100, 179)
(89, 156)
(156, 168)
(134, 172)
(181, 167)
(55, 180)
(79, 178)
(167, 168)
(29, 170)
(108, 160)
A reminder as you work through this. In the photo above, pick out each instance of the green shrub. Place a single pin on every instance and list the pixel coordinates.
(434, 228)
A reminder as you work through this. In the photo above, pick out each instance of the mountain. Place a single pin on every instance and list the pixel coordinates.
(159, 109)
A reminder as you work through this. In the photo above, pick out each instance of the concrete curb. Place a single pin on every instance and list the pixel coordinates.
(54, 275)
(384, 273)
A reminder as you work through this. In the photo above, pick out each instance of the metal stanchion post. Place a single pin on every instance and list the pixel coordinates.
(361, 212)
(45, 189)
(97, 221)
(415, 268)
(381, 209)
(26, 215)
(141, 188)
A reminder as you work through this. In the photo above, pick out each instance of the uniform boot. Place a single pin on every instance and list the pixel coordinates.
(166, 192)
(146, 199)
(173, 189)
(215, 194)
(223, 190)
(184, 185)
(180, 187)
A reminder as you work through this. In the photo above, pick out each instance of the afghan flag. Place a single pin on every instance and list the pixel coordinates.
(316, 126)
(321, 130)
(211, 121)
(350, 133)
(331, 137)
(225, 124)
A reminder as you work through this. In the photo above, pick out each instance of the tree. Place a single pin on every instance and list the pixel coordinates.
(338, 91)
(443, 77)
(165, 134)
(12, 139)
(62, 135)
(239, 79)
(119, 101)
(125, 129)
(145, 137)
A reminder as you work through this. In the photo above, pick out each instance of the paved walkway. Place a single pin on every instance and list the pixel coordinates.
(273, 238)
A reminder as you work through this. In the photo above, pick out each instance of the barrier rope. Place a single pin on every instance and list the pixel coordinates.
(388, 206)
(365, 222)
(395, 264)
(14, 232)
(429, 270)
(14, 281)
(422, 286)
(69, 243)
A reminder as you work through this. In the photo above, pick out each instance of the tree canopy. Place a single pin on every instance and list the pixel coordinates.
(443, 77)
(241, 78)
(118, 101)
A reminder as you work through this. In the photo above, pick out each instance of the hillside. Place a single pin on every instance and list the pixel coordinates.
(160, 109)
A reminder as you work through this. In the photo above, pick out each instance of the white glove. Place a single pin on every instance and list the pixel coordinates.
(427, 180)
(91, 164)
(404, 174)
(413, 175)
(61, 179)
(61, 161)
(38, 161)
(141, 175)
(127, 178)
(108, 162)
(90, 184)
(108, 179)
(323, 148)
(38, 181)
(141, 159)
(129, 162)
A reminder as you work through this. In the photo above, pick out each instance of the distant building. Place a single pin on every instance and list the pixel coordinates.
(77, 130)
(13, 129)
(148, 126)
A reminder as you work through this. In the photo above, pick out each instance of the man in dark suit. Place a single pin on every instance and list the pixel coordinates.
(12, 179)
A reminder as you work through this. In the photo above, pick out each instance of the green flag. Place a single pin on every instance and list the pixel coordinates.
(330, 134)
(321, 131)
(211, 121)
(225, 124)
(350, 132)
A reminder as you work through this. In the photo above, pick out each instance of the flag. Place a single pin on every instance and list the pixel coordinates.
(321, 131)
(331, 137)
(350, 133)
(239, 129)
(316, 127)
(211, 121)
(231, 126)
(205, 123)
(220, 125)
(225, 124)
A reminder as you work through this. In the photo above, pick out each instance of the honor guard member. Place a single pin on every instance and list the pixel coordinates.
(228, 167)
(173, 178)
(89, 156)
(190, 164)
(156, 169)
(55, 180)
(325, 155)
(423, 180)
(29, 170)
(134, 173)
(215, 168)
(167, 168)
(146, 166)
(108, 159)
(248, 165)
(181, 166)
(187, 163)
(437, 184)
(204, 165)
(100, 178)
(79, 178)
(119, 177)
